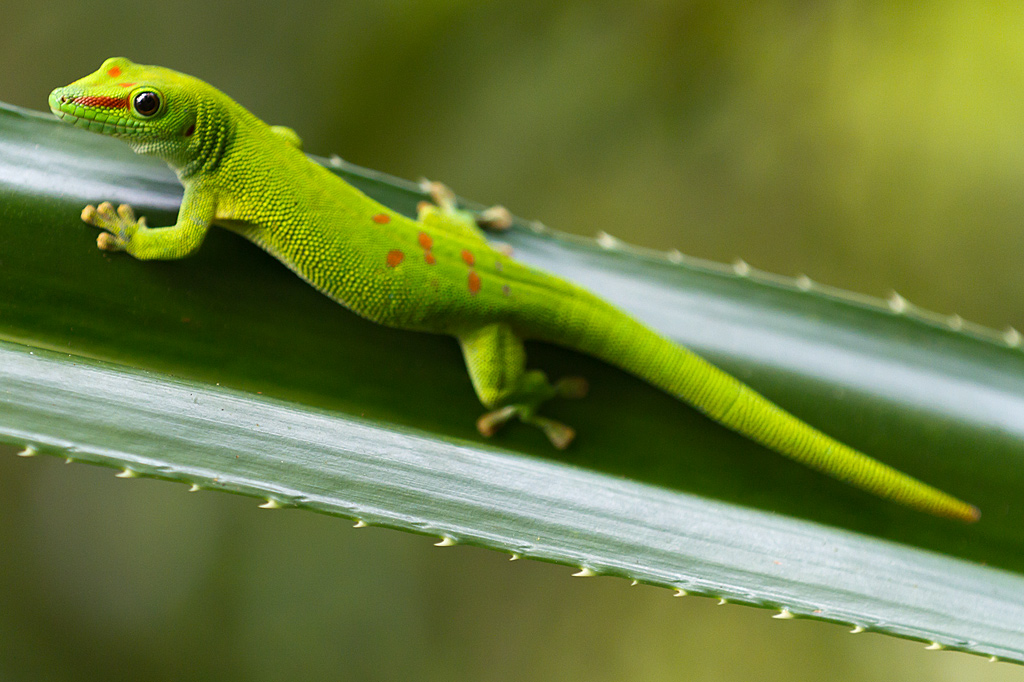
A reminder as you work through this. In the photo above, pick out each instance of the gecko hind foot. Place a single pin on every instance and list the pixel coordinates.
(439, 193)
(496, 218)
(558, 433)
(572, 387)
(488, 424)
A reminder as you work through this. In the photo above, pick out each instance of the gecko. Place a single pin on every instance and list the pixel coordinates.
(435, 273)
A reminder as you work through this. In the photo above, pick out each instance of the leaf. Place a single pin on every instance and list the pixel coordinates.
(378, 424)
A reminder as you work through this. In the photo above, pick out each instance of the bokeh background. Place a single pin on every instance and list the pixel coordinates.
(875, 146)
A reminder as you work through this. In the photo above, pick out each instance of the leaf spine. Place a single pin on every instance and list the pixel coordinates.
(606, 241)
(898, 304)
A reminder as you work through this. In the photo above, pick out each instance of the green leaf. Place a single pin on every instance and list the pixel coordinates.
(377, 424)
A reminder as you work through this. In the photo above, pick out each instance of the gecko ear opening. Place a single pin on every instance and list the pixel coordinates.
(191, 130)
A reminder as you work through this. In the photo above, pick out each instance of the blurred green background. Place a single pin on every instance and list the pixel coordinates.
(869, 145)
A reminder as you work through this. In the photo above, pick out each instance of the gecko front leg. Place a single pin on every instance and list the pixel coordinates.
(123, 232)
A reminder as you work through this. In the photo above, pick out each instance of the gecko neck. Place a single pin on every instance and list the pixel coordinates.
(215, 131)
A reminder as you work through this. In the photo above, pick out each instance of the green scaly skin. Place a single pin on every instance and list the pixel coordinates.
(434, 274)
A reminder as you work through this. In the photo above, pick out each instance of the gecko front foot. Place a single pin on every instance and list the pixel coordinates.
(120, 225)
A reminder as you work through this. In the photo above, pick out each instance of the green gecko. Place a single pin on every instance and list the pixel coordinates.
(436, 273)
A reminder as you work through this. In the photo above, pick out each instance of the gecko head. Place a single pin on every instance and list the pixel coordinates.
(155, 110)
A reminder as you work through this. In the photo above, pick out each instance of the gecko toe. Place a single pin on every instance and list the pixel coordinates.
(106, 210)
(496, 218)
(489, 423)
(89, 214)
(560, 435)
(572, 387)
(108, 242)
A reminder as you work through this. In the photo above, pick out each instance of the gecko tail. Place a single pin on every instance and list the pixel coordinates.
(620, 340)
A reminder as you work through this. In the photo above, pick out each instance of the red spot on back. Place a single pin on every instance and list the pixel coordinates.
(114, 71)
(381, 219)
(430, 258)
(394, 258)
(102, 102)
(474, 283)
(425, 241)
(468, 257)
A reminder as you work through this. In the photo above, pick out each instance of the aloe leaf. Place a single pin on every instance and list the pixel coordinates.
(377, 424)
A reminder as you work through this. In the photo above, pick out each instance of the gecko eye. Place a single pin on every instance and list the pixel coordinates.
(146, 103)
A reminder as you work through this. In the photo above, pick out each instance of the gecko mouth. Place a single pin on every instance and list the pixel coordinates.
(107, 115)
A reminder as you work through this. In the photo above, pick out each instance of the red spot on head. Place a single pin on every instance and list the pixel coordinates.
(126, 85)
(114, 71)
(474, 283)
(468, 257)
(381, 219)
(102, 102)
(430, 258)
(425, 241)
(394, 258)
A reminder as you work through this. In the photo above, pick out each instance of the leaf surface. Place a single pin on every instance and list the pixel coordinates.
(279, 393)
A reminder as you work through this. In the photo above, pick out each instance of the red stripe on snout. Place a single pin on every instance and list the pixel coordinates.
(102, 102)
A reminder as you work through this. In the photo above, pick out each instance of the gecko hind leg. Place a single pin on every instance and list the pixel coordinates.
(496, 361)
(496, 218)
